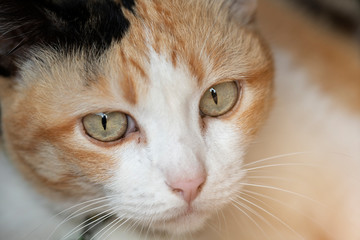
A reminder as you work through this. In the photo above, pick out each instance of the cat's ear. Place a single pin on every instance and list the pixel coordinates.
(241, 11)
(23, 23)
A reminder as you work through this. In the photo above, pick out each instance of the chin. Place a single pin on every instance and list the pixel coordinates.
(182, 225)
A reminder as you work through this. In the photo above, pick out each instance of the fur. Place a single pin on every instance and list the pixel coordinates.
(293, 179)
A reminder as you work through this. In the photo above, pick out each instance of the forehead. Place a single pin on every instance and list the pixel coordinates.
(192, 37)
(197, 33)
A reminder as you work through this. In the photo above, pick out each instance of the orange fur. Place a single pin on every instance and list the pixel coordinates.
(43, 112)
(167, 27)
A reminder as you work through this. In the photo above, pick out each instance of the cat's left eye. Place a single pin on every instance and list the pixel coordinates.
(106, 127)
(219, 99)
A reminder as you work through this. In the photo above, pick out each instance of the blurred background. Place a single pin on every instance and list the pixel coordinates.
(344, 15)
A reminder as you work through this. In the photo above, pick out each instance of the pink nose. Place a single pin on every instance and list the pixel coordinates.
(188, 189)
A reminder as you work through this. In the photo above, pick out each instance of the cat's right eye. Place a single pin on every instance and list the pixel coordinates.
(106, 127)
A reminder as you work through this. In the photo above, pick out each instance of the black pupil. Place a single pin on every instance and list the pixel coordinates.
(214, 95)
(104, 121)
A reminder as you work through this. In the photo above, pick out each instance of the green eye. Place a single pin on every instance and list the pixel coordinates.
(106, 127)
(219, 99)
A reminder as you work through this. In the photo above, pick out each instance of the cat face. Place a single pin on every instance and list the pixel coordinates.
(158, 121)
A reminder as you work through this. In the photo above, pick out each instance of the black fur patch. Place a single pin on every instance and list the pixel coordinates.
(89, 25)
(129, 4)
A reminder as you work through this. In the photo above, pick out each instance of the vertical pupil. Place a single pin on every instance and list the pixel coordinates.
(104, 121)
(214, 95)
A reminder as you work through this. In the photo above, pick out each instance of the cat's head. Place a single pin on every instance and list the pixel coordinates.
(149, 103)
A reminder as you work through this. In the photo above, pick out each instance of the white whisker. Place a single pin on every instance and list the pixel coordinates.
(272, 215)
(268, 178)
(122, 224)
(286, 205)
(276, 157)
(225, 220)
(215, 229)
(61, 213)
(149, 227)
(116, 228)
(79, 213)
(281, 190)
(248, 195)
(105, 229)
(279, 165)
(89, 222)
(133, 227)
(235, 204)
(253, 211)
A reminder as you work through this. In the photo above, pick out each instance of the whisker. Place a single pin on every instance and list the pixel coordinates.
(101, 232)
(272, 215)
(241, 221)
(256, 199)
(148, 227)
(286, 205)
(225, 220)
(87, 211)
(215, 229)
(234, 203)
(218, 218)
(110, 226)
(279, 165)
(98, 218)
(116, 228)
(281, 190)
(76, 213)
(268, 178)
(135, 223)
(112, 231)
(58, 214)
(253, 211)
(132, 227)
(276, 157)
(142, 228)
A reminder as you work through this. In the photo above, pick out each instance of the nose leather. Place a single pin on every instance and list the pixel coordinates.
(188, 189)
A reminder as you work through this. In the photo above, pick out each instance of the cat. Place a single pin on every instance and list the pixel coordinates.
(139, 119)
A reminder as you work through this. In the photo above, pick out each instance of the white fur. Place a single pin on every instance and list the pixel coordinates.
(175, 150)
(303, 120)
(167, 113)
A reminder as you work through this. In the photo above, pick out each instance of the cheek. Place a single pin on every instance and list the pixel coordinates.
(98, 162)
(226, 148)
(226, 145)
(56, 158)
(134, 172)
(137, 186)
(96, 166)
(73, 150)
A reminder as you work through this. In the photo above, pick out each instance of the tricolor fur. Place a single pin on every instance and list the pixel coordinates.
(153, 60)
